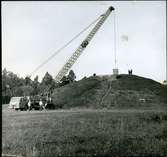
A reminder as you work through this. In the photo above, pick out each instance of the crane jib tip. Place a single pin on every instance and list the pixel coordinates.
(111, 8)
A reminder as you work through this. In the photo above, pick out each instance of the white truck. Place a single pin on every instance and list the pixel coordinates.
(18, 103)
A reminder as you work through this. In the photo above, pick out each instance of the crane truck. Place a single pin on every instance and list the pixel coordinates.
(69, 63)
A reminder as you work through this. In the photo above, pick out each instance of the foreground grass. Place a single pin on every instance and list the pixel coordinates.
(85, 133)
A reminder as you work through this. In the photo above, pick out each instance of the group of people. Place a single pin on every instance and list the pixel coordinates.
(42, 104)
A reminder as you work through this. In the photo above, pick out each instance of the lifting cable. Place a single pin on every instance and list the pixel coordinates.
(63, 47)
(115, 41)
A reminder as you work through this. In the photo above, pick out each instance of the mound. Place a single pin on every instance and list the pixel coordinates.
(125, 91)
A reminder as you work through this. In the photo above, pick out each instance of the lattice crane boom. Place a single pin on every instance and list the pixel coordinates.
(82, 46)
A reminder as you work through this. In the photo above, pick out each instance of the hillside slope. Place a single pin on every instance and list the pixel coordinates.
(125, 91)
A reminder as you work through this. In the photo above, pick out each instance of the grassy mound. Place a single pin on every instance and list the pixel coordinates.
(125, 91)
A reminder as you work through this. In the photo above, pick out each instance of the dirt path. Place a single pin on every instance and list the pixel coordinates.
(106, 94)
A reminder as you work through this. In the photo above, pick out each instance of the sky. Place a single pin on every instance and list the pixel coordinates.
(33, 30)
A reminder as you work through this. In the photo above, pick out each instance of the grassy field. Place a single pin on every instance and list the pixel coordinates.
(104, 133)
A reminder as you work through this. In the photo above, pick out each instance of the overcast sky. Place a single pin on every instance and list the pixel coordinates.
(33, 31)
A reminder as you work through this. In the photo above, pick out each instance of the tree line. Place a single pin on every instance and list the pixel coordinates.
(13, 85)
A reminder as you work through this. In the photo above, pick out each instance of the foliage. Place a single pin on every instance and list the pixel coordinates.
(47, 79)
(13, 85)
(71, 76)
(35, 85)
(27, 90)
(68, 79)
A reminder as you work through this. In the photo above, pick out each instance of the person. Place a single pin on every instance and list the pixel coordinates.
(41, 104)
(29, 105)
(50, 99)
(44, 107)
(44, 104)
(130, 72)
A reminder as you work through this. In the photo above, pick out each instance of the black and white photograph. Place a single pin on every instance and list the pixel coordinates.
(84, 79)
